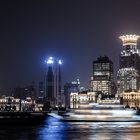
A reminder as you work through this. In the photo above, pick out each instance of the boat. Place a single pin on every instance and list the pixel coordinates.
(102, 113)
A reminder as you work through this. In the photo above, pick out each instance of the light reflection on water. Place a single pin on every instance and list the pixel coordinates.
(54, 129)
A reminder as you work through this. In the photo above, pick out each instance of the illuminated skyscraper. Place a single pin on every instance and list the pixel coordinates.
(53, 81)
(102, 80)
(128, 74)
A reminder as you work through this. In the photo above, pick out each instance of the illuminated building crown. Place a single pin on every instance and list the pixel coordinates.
(129, 39)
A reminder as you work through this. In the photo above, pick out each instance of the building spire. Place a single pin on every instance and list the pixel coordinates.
(129, 39)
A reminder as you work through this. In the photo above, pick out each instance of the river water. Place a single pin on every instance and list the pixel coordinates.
(54, 129)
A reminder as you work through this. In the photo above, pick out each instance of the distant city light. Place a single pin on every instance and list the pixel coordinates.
(52, 60)
(49, 60)
(60, 62)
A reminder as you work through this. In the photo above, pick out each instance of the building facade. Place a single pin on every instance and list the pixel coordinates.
(129, 71)
(102, 79)
(131, 99)
(82, 99)
(68, 88)
(53, 82)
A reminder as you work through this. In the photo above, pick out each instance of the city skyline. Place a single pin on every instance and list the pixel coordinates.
(78, 32)
(70, 69)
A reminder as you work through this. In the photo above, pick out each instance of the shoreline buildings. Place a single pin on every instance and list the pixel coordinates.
(102, 86)
(82, 99)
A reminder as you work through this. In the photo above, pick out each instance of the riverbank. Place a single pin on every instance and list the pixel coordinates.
(22, 117)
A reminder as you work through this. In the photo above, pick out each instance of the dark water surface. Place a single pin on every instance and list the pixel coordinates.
(53, 129)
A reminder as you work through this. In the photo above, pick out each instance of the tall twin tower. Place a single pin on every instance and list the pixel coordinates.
(129, 72)
(53, 82)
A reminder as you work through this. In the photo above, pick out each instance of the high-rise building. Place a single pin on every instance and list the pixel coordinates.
(102, 80)
(41, 89)
(129, 71)
(53, 81)
(68, 88)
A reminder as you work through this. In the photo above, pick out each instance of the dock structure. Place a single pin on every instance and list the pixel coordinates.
(21, 117)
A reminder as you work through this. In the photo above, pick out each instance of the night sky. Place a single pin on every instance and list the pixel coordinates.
(77, 31)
